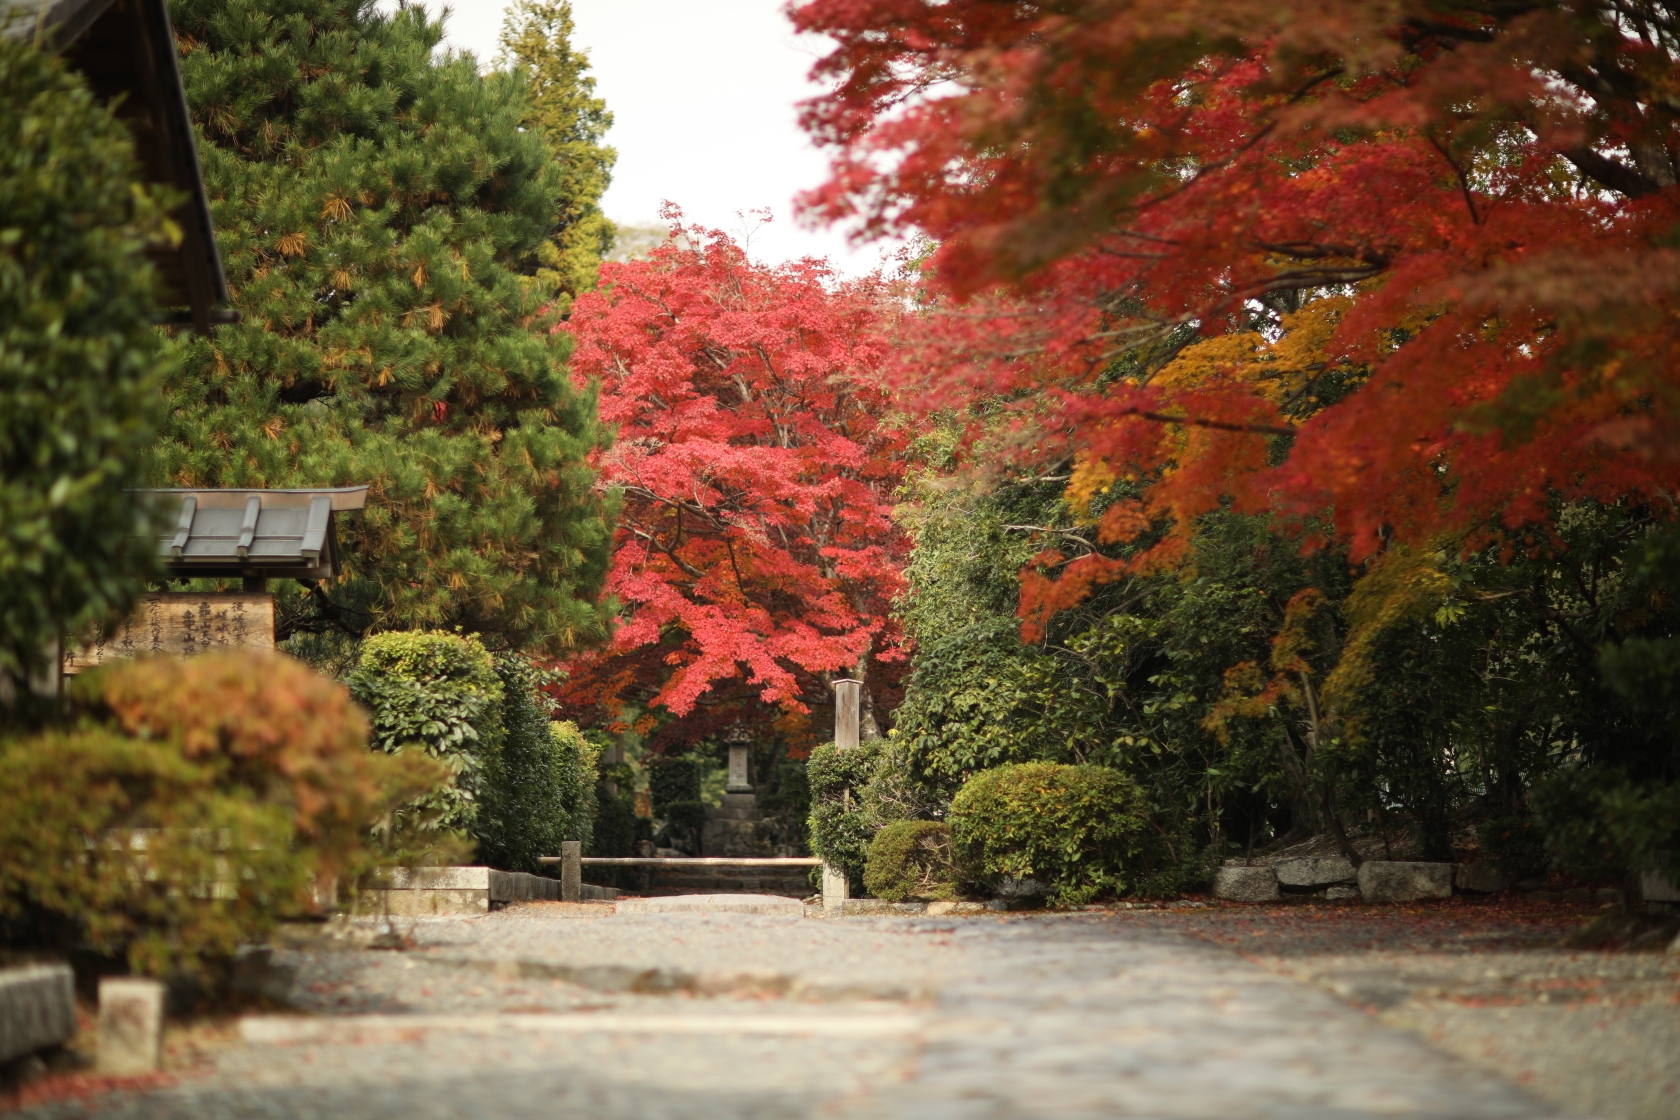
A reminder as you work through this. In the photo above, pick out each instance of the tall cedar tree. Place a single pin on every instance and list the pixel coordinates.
(537, 38)
(756, 556)
(376, 205)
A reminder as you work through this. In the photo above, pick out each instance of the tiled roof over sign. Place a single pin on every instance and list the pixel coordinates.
(280, 533)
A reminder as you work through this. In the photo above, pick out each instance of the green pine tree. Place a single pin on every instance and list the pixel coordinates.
(378, 207)
(537, 41)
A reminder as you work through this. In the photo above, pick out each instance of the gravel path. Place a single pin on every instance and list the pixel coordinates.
(548, 1010)
(1597, 1033)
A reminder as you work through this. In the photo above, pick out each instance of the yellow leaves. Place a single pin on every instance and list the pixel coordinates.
(1211, 360)
(274, 427)
(222, 440)
(292, 245)
(341, 278)
(1091, 476)
(457, 582)
(1279, 369)
(419, 275)
(1294, 640)
(336, 209)
(1401, 585)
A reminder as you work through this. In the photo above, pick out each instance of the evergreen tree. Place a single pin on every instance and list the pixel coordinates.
(78, 359)
(376, 206)
(537, 38)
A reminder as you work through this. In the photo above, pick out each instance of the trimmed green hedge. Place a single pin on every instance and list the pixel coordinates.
(538, 786)
(1073, 828)
(439, 692)
(521, 783)
(910, 861)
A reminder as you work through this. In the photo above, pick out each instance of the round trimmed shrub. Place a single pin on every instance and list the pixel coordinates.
(911, 861)
(1072, 828)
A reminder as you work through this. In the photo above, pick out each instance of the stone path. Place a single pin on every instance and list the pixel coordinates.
(548, 1010)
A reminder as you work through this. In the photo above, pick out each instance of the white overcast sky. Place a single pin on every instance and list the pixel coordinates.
(702, 94)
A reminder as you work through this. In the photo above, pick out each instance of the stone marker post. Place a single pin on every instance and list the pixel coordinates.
(835, 888)
(130, 1025)
(847, 697)
(571, 871)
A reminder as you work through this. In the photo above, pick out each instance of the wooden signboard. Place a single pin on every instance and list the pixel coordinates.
(183, 623)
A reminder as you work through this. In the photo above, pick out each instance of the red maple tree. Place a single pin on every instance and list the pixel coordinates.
(1433, 245)
(756, 555)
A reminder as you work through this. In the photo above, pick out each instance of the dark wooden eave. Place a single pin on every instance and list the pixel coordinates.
(125, 49)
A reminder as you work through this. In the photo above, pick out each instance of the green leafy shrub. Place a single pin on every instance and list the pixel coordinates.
(842, 821)
(617, 827)
(788, 808)
(854, 793)
(537, 787)
(911, 860)
(194, 804)
(1600, 824)
(439, 693)
(78, 360)
(1072, 828)
(671, 780)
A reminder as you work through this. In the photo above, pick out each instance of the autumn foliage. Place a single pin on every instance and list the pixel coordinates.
(1408, 272)
(756, 557)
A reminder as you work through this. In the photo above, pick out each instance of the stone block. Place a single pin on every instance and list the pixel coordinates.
(1657, 886)
(940, 909)
(425, 903)
(714, 904)
(441, 878)
(1341, 893)
(1314, 871)
(130, 1025)
(1022, 890)
(880, 908)
(1484, 878)
(1245, 884)
(591, 893)
(1386, 881)
(37, 1008)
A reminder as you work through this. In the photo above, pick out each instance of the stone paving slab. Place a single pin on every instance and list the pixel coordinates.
(1030, 1016)
(715, 904)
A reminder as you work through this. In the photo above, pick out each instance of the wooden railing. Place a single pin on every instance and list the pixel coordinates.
(572, 862)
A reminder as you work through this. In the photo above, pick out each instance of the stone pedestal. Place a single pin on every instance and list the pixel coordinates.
(734, 831)
(130, 1025)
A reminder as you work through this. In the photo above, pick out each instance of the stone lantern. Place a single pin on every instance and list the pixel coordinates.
(734, 831)
(739, 742)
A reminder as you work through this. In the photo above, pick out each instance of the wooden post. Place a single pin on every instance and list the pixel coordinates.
(571, 871)
(847, 697)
